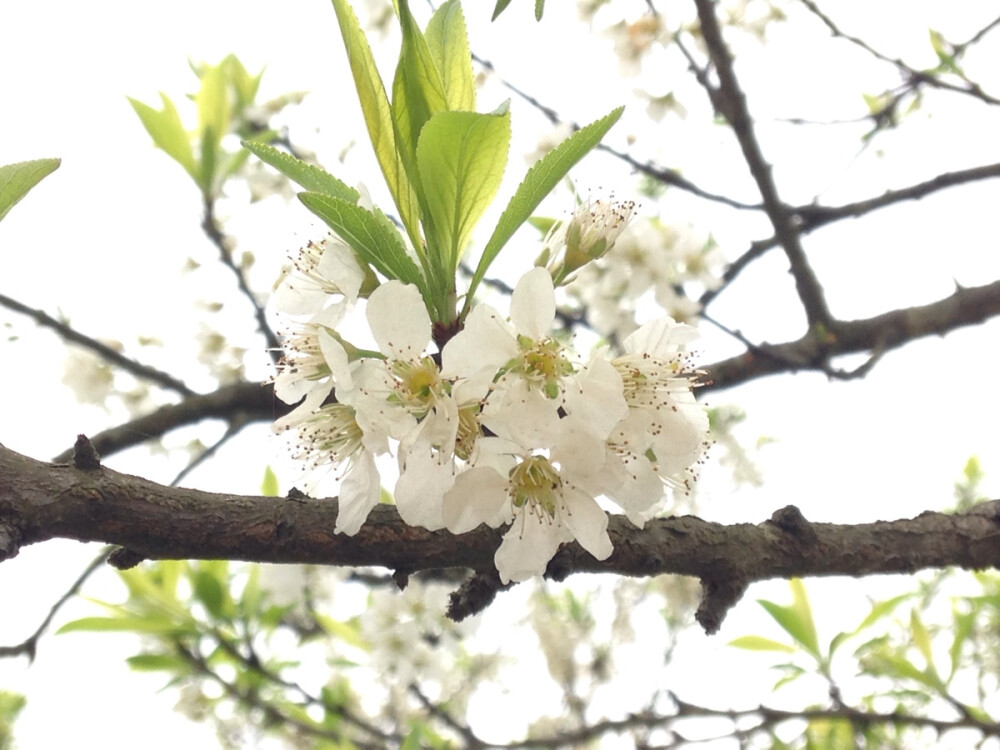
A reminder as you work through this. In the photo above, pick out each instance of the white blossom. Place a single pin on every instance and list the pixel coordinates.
(545, 502)
(321, 275)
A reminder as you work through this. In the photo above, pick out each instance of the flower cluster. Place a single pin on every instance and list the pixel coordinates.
(504, 424)
(649, 258)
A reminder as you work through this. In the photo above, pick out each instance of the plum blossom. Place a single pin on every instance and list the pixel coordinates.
(665, 431)
(506, 425)
(403, 395)
(321, 275)
(653, 257)
(588, 235)
(534, 375)
(546, 500)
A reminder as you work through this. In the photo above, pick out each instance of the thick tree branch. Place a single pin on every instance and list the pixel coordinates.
(41, 501)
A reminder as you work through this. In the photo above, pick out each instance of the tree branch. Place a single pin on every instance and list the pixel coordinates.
(965, 306)
(233, 403)
(815, 216)
(105, 352)
(41, 501)
(730, 102)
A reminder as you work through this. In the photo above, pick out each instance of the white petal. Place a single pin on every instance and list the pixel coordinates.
(339, 266)
(314, 399)
(528, 546)
(421, 487)
(479, 495)
(659, 338)
(399, 320)
(336, 359)
(486, 341)
(596, 396)
(587, 522)
(298, 297)
(533, 304)
(359, 493)
(640, 487)
(522, 415)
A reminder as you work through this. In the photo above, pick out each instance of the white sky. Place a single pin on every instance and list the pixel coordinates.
(104, 238)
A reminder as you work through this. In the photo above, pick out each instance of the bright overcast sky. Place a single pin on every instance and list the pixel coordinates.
(104, 238)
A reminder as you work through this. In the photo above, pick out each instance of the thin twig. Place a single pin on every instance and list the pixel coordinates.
(213, 231)
(662, 174)
(29, 646)
(813, 217)
(913, 77)
(233, 428)
(105, 352)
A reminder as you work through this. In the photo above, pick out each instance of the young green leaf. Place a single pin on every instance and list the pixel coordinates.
(134, 624)
(759, 643)
(461, 158)
(269, 486)
(499, 8)
(377, 113)
(417, 90)
(921, 639)
(157, 663)
(214, 109)
(244, 85)
(17, 179)
(312, 178)
(537, 184)
(448, 44)
(209, 590)
(803, 612)
(369, 233)
(796, 620)
(168, 132)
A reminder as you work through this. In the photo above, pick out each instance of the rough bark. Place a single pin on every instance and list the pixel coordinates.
(88, 502)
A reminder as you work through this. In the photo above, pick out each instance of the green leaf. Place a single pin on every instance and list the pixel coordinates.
(539, 9)
(312, 178)
(499, 8)
(157, 663)
(168, 132)
(537, 184)
(964, 624)
(161, 625)
(448, 44)
(369, 233)
(880, 610)
(269, 486)
(796, 620)
(212, 100)
(244, 85)
(461, 158)
(759, 643)
(417, 95)
(800, 605)
(377, 114)
(17, 179)
(208, 589)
